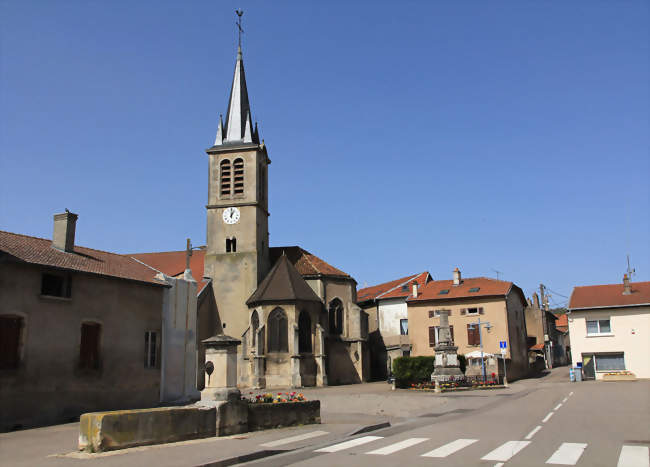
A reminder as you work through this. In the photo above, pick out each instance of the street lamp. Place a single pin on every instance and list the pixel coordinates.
(488, 326)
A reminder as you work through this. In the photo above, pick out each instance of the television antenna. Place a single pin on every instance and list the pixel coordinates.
(630, 271)
(498, 272)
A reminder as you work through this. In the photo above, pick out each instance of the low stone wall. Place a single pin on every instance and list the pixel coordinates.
(106, 431)
(265, 416)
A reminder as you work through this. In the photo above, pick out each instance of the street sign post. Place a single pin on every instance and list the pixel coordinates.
(504, 346)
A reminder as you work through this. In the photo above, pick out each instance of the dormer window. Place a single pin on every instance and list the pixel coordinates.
(443, 292)
(474, 289)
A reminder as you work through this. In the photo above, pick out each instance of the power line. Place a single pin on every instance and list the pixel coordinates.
(556, 293)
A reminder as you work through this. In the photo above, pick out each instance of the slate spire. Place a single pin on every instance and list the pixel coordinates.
(238, 126)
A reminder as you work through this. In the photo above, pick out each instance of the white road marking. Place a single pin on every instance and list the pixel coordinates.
(499, 464)
(450, 448)
(634, 456)
(532, 433)
(349, 444)
(567, 454)
(504, 452)
(550, 414)
(293, 439)
(571, 393)
(391, 448)
(557, 406)
(565, 399)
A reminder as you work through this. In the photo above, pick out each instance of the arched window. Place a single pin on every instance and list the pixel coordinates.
(304, 333)
(225, 174)
(231, 245)
(336, 316)
(255, 324)
(278, 328)
(238, 165)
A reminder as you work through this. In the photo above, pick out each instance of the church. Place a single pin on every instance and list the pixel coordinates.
(295, 314)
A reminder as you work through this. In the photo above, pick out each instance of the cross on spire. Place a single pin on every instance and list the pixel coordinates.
(238, 23)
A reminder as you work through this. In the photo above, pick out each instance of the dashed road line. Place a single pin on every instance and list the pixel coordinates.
(548, 416)
(450, 448)
(634, 456)
(391, 448)
(565, 399)
(349, 444)
(293, 439)
(532, 433)
(504, 452)
(558, 406)
(567, 454)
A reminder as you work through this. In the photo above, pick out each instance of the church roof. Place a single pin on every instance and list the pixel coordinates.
(283, 284)
(172, 263)
(34, 250)
(238, 128)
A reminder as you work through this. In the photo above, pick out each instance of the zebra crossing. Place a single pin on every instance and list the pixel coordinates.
(564, 454)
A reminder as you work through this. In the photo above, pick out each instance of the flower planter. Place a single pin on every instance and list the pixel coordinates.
(619, 377)
(263, 416)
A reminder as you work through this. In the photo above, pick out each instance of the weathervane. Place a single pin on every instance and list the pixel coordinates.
(238, 23)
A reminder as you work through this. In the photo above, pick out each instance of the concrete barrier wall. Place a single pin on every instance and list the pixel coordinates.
(265, 416)
(106, 431)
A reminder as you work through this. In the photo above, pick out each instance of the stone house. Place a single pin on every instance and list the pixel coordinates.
(85, 330)
(610, 328)
(501, 303)
(544, 339)
(388, 326)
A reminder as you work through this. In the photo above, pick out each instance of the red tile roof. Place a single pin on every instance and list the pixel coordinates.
(610, 295)
(39, 251)
(373, 292)
(562, 322)
(172, 263)
(398, 292)
(486, 286)
(539, 346)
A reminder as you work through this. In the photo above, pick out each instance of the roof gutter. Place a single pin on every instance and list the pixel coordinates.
(608, 306)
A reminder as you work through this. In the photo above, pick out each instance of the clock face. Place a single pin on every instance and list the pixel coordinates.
(231, 215)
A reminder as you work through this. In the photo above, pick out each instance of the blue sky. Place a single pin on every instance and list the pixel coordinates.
(410, 136)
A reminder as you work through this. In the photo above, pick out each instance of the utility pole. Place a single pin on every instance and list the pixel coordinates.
(545, 327)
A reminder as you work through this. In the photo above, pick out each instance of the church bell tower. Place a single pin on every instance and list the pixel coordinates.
(237, 256)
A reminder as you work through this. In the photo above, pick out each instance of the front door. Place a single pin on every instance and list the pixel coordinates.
(588, 369)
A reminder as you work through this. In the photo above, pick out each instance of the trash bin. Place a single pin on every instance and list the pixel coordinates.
(572, 375)
(578, 374)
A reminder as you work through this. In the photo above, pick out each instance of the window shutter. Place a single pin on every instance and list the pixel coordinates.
(432, 336)
(448, 312)
(430, 313)
(463, 311)
(451, 331)
(480, 311)
(472, 335)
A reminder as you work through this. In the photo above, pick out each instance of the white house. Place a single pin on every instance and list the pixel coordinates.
(609, 327)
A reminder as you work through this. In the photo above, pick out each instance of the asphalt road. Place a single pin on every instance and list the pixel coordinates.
(552, 422)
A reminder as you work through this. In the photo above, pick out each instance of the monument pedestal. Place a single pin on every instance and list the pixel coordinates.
(446, 366)
(220, 369)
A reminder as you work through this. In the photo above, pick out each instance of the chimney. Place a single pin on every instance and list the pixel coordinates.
(627, 290)
(64, 228)
(457, 280)
(415, 289)
(536, 300)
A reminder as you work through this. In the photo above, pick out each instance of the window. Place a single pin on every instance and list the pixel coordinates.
(609, 362)
(278, 331)
(231, 245)
(150, 349)
(89, 348)
(436, 313)
(598, 326)
(56, 285)
(404, 327)
(436, 335)
(304, 332)
(474, 289)
(225, 172)
(473, 337)
(10, 329)
(472, 311)
(255, 324)
(443, 292)
(336, 316)
(238, 165)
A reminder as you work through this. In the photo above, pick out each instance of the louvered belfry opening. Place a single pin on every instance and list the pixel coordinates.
(239, 176)
(226, 174)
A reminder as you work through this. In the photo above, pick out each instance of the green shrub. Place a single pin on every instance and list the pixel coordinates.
(462, 362)
(408, 370)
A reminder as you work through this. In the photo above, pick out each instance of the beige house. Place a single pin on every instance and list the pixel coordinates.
(609, 327)
(83, 330)
(499, 303)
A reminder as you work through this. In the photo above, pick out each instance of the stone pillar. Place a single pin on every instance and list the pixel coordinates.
(259, 379)
(296, 379)
(220, 369)
(321, 373)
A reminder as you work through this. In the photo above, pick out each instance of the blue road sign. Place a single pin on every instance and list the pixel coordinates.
(503, 344)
